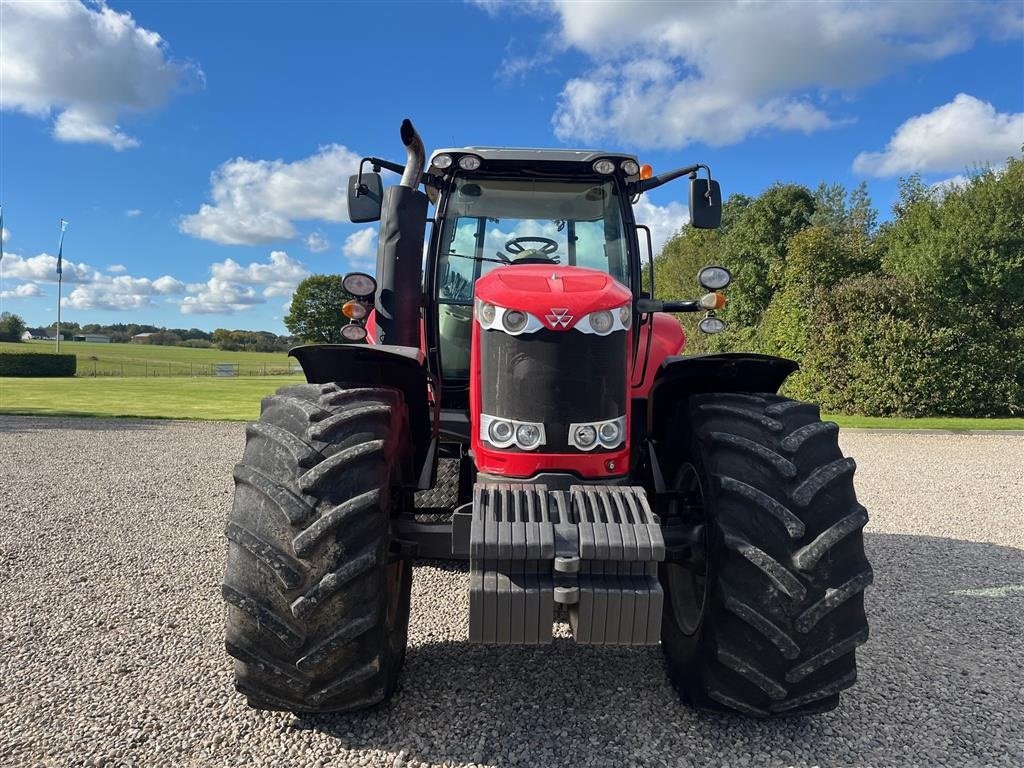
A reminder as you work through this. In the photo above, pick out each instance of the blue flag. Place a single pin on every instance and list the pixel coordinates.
(60, 248)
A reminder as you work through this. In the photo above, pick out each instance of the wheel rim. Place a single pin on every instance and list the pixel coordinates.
(688, 581)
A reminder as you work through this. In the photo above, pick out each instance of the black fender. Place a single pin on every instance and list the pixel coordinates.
(679, 376)
(403, 368)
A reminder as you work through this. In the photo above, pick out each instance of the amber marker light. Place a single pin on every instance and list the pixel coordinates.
(354, 310)
(646, 171)
(714, 300)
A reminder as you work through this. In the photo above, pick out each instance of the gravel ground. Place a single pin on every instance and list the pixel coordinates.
(111, 629)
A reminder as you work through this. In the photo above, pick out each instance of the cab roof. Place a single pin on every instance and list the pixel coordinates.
(529, 154)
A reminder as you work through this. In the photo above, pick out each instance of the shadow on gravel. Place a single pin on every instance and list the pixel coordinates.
(73, 420)
(939, 682)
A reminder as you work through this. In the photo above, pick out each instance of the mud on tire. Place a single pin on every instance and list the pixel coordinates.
(783, 606)
(317, 612)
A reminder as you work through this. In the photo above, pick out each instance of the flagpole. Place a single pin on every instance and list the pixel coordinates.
(60, 275)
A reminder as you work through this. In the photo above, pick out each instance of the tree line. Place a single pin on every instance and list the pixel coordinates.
(12, 327)
(920, 315)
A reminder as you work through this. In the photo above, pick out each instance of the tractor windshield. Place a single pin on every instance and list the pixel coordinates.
(491, 224)
(498, 223)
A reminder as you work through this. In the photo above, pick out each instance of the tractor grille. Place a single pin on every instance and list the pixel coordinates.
(554, 377)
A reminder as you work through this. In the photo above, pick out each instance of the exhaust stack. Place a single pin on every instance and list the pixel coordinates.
(400, 250)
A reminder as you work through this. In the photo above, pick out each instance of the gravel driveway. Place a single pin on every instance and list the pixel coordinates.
(111, 628)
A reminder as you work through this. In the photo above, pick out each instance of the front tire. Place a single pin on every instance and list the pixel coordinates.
(318, 609)
(763, 615)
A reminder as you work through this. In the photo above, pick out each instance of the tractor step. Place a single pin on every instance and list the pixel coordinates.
(593, 548)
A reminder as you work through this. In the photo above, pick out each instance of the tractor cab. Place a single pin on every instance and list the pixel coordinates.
(521, 208)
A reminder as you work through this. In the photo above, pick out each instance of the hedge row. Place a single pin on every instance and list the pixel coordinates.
(37, 364)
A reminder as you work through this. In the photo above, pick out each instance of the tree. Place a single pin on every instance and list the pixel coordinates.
(315, 314)
(11, 327)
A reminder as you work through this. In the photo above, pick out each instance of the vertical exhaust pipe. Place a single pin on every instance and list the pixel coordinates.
(416, 155)
(400, 250)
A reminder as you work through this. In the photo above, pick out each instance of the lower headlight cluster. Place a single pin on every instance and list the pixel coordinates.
(587, 436)
(504, 433)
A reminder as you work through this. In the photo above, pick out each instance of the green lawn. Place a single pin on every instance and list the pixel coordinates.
(238, 399)
(154, 360)
(229, 399)
(937, 422)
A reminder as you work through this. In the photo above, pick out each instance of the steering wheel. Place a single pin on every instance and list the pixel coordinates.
(515, 245)
(540, 255)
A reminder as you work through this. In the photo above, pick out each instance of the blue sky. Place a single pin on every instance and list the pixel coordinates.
(199, 150)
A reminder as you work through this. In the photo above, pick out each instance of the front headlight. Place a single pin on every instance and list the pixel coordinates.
(602, 321)
(626, 316)
(584, 436)
(610, 433)
(605, 321)
(500, 431)
(527, 436)
(512, 321)
(485, 313)
(504, 433)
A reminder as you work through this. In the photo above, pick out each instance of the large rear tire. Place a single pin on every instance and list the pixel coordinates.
(763, 612)
(318, 608)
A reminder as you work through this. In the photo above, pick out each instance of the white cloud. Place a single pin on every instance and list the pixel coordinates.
(258, 201)
(131, 213)
(5, 235)
(23, 291)
(91, 288)
(361, 249)
(85, 126)
(235, 288)
(650, 104)
(89, 63)
(962, 133)
(121, 293)
(664, 221)
(317, 243)
(219, 297)
(167, 285)
(668, 74)
(43, 267)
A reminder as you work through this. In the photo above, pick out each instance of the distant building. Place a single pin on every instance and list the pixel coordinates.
(141, 338)
(27, 336)
(94, 338)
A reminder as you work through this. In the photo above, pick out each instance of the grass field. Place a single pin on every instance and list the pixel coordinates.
(228, 399)
(154, 360)
(238, 399)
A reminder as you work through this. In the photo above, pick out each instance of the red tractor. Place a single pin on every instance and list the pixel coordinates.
(516, 396)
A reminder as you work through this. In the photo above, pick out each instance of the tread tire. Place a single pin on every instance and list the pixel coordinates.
(318, 614)
(786, 569)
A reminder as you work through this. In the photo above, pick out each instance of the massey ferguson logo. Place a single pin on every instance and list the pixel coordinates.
(559, 317)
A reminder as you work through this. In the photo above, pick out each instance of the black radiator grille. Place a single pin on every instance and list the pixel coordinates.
(553, 377)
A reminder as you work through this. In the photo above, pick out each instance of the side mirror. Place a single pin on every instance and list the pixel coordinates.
(705, 204)
(364, 198)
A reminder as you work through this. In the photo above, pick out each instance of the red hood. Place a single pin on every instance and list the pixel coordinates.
(552, 294)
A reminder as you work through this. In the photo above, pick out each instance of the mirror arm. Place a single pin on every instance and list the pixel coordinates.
(429, 179)
(646, 306)
(643, 185)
